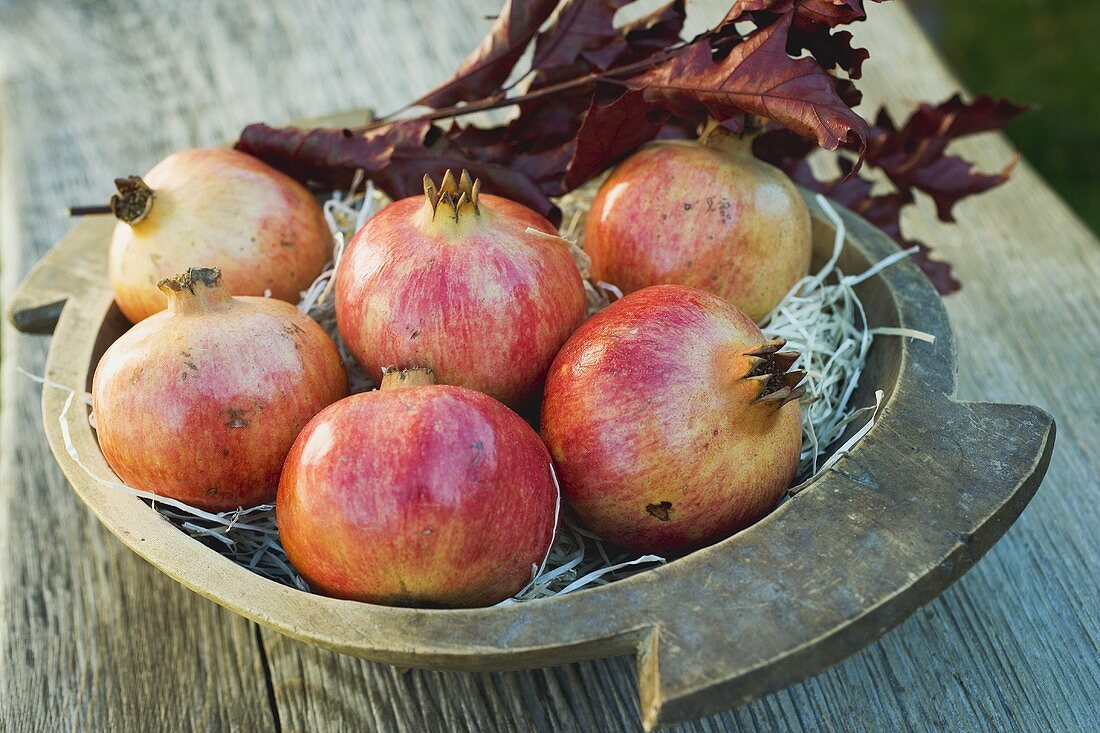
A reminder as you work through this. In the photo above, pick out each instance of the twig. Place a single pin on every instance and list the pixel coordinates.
(496, 101)
(93, 210)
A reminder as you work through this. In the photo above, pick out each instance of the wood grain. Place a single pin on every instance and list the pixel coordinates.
(1013, 646)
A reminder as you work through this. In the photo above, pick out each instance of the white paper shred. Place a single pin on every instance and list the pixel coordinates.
(821, 317)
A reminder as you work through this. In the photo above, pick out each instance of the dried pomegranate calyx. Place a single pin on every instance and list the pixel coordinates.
(394, 377)
(462, 197)
(187, 280)
(185, 297)
(769, 371)
(134, 200)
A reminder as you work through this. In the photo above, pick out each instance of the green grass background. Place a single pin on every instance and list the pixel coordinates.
(1041, 51)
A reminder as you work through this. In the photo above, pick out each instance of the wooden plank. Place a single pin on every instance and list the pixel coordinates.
(91, 637)
(1030, 270)
(1013, 646)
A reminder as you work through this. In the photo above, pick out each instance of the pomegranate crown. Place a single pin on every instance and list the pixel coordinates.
(768, 371)
(208, 276)
(459, 197)
(134, 200)
(393, 377)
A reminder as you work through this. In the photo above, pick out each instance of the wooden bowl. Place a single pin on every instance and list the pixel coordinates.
(925, 493)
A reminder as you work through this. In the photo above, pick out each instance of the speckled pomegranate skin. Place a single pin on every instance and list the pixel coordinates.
(434, 495)
(657, 443)
(204, 406)
(685, 213)
(226, 209)
(481, 301)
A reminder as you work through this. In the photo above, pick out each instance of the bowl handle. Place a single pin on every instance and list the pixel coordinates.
(962, 465)
(76, 262)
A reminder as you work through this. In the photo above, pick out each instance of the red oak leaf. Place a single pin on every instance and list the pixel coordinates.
(759, 77)
(488, 65)
(581, 26)
(597, 93)
(914, 156)
(396, 157)
(581, 42)
(981, 115)
(827, 12)
(653, 33)
(330, 157)
(811, 29)
(584, 36)
(882, 210)
(832, 50)
(611, 131)
(584, 42)
(935, 269)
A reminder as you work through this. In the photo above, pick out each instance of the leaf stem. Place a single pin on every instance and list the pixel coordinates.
(497, 101)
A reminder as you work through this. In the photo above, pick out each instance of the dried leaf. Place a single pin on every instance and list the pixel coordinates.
(597, 92)
(396, 157)
(653, 33)
(488, 65)
(581, 26)
(983, 114)
(827, 12)
(759, 77)
(882, 210)
(935, 269)
(914, 156)
(832, 50)
(584, 36)
(610, 132)
(330, 157)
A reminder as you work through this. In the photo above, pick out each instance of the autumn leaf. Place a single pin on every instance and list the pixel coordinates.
(611, 131)
(827, 12)
(330, 157)
(652, 33)
(488, 65)
(395, 157)
(758, 77)
(584, 32)
(983, 114)
(832, 50)
(595, 93)
(915, 157)
(581, 26)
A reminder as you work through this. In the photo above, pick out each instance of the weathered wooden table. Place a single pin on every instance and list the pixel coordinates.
(95, 639)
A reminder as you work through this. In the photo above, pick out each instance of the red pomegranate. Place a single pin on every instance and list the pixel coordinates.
(703, 215)
(418, 494)
(672, 420)
(465, 283)
(202, 402)
(265, 230)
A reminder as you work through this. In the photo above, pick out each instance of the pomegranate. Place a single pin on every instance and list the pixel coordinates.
(465, 283)
(417, 494)
(221, 206)
(201, 403)
(709, 216)
(672, 420)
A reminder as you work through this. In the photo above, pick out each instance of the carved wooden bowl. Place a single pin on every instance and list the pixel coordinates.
(924, 494)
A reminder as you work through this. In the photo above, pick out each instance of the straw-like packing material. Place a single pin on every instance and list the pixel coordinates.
(821, 317)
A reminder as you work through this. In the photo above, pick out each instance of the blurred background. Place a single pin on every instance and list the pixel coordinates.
(1039, 51)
